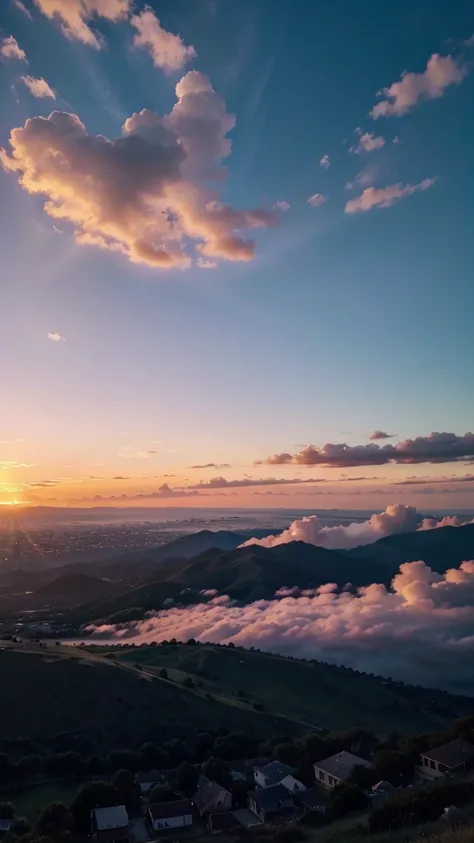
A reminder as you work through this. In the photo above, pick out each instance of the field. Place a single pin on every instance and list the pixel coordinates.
(314, 694)
(29, 801)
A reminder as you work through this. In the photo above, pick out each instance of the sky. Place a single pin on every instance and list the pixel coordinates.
(237, 253)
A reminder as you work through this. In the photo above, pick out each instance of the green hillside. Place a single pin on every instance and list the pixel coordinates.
(315, 693)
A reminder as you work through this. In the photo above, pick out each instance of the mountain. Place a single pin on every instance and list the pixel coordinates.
(74, 589)
(441, 548)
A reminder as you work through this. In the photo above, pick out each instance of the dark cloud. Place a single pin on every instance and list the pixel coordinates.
(380, 434)
(435, 448)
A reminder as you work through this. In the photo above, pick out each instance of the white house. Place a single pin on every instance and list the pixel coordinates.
(110, 824)
(165, 815)
(455, 756)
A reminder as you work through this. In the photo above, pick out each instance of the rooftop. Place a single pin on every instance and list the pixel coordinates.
(206, 794)
(275, 771)
(268, 798)
(113, 817)
(452, 754)
(341, 765)
(178, 808)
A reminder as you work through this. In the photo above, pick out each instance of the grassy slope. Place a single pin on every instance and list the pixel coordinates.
(329, 697)
(43, 694)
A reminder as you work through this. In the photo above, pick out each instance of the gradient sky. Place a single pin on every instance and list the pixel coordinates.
(354, 313)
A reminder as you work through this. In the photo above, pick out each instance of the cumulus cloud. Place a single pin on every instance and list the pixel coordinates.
(316, 199)
(418, 630)
(367, 143)
(435, 448)
(222, 483)
(380, 434)
(38, 87)
(146, 194)
(74, 16)
(55, 337)
(325, 162)
(384, 197)
(10, 48)
(281, 205)
(167, 50)
(402, 96)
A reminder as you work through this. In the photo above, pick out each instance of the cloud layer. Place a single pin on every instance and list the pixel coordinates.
(420, 630)
(384, 197)
(146, 194)
(435, 448)
(402, 96)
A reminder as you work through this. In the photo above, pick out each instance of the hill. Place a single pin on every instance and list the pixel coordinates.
(441, 548)
(77, 588)
(315, 693)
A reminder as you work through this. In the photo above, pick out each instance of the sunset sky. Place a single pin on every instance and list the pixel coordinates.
(232, 231)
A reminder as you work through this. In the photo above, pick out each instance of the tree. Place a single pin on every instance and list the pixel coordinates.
(94, 795)
(29, 765)
(177, 750)
(126, 786)
(124, 759)
(217, 770)
(55, 821)
(287, 753)
(187, 778)
(163, 673)
(395, 767)
(7, 811)
(345, 798)
(188, 682)
(161, 793)
(65, 764)
(7, 768)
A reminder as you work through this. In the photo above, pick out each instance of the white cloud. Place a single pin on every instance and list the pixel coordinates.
(149, 194)
(167, 50)
(402, 96)
(316, 199)
(10, 48)
(75, 14)
(38, 87)
(325, 161)
(384, 197)
(55, 337)
(281, 205)
(202, 263)
(22, 8)
(367, 143)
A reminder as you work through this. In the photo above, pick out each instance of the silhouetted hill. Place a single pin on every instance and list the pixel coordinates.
(75, 588)
(442, 548)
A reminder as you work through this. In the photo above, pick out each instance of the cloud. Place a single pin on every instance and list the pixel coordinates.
(402, 96)
(325, 162)
(222, 483)
(55, 337)
(74, 15)
(164, 491)
(380, 434)
(316, 199)
(422, 481)
(167, 50)
(367, 143)
(137, 455)
(281, 205)
(384, 197)
(435, 448)
(419, 630)
(38, 87)
(145, 194)
(120, 477)
(10, 48)
(22, 8)
(202, 263)
(211, 465)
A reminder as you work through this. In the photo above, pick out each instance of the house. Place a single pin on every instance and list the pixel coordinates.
(337, 768)
(451, 757)
(292, 784)
(110, 824)
(272, 773)
(148, 779)
(4, 827)
(212, 797)
(229, 820)
(268, 802)
(168, 815)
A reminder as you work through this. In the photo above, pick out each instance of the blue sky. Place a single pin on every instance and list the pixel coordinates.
(341, 324)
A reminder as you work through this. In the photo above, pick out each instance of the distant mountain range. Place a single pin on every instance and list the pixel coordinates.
(137, 582)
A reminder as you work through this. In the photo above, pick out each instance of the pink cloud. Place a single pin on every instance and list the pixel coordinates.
(167, 50)
(10, 48)
(402, 96)
(316, 200)
(74, 15)
(146, 194)
(384, 197)
(38, 87)
(367, 143)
